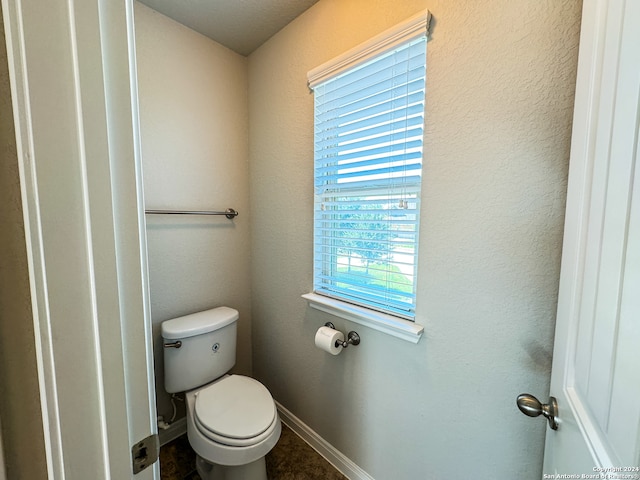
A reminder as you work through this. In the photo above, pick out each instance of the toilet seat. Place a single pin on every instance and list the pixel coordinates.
(235, 411)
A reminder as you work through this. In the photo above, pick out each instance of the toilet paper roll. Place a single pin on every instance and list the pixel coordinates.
(326, 340)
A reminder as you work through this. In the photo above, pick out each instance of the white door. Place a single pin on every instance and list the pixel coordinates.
(596, 363)
(72, 73)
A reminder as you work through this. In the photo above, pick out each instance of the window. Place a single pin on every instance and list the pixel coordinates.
(369, 125)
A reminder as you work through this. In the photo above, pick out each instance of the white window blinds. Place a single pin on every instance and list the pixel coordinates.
(369, 118)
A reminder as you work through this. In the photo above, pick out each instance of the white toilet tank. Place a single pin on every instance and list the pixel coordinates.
(207, 348)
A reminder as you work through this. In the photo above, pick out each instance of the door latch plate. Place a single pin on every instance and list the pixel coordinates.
(145, 453)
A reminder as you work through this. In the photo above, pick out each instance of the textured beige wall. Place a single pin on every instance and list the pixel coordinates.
(194, 127)
(22, 432)
(500, 85)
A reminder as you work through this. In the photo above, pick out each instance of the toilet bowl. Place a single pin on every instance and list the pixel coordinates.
(232, 420)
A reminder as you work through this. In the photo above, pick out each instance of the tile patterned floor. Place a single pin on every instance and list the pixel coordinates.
(290, 459)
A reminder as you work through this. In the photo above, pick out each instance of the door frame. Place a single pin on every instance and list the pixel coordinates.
(73, 89)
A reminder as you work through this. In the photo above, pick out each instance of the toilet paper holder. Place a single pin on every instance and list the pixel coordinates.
(352, 337)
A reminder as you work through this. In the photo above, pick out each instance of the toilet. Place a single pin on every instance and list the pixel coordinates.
(232, 421)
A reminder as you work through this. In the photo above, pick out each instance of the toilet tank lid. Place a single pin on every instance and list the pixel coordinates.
(198, 323)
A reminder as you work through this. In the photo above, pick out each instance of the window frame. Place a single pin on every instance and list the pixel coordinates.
(381, 319)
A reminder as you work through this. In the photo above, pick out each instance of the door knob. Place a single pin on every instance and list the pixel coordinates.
(531, 406)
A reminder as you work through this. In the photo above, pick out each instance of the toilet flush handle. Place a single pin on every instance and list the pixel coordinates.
(176, 344)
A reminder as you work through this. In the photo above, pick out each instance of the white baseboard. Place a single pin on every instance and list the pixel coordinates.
(320, 445)
(177, 428)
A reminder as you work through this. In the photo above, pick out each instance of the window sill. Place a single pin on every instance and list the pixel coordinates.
(394, 326)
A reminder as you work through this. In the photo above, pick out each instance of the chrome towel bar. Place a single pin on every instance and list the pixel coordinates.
(230, 213)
